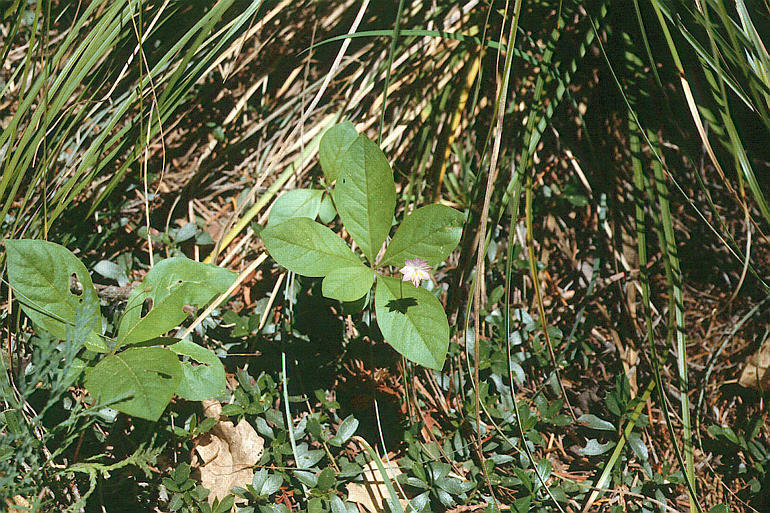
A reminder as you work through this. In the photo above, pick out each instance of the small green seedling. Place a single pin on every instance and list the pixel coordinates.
(141, 370)
(411, 318)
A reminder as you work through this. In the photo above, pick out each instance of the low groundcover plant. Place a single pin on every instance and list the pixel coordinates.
(140, 370)
(361, 189)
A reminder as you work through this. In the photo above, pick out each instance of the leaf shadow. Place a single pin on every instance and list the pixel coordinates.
(401, 305)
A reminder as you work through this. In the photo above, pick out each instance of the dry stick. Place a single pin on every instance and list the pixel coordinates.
(140, 36)
(252, 212)
(502, 94)
(270, 301)
(539, 296)
(218, 301)
(448, 141)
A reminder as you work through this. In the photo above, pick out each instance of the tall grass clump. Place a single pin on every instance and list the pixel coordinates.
(606, 302)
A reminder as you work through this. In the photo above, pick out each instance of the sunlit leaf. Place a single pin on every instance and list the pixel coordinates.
(348, 283)
(413, 321)
(295, 203)
(51, 283)
(307, 248)
(430, 232)
(170, 292)
(139, 381)
(334, 143)
(365, 195)
(205, 378)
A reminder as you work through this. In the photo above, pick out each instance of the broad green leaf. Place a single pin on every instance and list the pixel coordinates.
(594, 448)
(412, 320)
(348, 283)
(327, 212)
(353, 307)
(334, 143)
(365, 195)
(336, 504)
(204, 380)
(112, 271)
(308, 248)
(171, 291)
(295, 203)
(51, 283)
(430, 233)
(594, 422)
(347, 428)
(141, 379)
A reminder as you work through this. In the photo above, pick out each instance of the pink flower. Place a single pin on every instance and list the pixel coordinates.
(416, 270)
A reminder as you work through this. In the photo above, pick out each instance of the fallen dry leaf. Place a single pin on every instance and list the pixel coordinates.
(372, 492)
(227, 453)
(757, 369)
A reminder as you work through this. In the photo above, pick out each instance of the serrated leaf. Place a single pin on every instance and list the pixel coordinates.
(413, 321)
(204, 380)
(420, 502)
(445, 498)
(259, 479)
(594, 422)
(365, 195)
(170, 289)
(430, 232)
(295, 203)
(181, 473)
(307, 458)
(326, 479)
(305, 247)
(306, 478)
(141, 379)
(40, 273)
(455, 486)
(334, 143)
(522, 504)
(225, 505)
(348, 283)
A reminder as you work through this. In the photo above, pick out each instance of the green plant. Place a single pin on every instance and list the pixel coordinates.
(89, 102)
(189, 497)
(410, 317)
(141, 370)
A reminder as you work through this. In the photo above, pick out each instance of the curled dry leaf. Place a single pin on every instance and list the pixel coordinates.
(227, 454)
(373, 491)
(756, 373)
